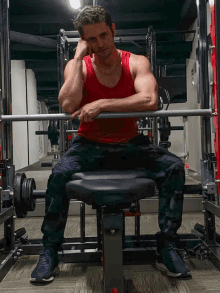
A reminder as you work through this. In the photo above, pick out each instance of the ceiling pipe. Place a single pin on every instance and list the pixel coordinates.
(32, 40)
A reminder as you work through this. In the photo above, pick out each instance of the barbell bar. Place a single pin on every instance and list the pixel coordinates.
(162, 113)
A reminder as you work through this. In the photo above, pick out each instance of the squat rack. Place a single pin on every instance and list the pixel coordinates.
(208, 189)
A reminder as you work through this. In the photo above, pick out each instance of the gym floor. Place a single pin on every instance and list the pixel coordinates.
(86, 278)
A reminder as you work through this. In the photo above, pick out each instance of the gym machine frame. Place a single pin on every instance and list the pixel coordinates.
(203, 242)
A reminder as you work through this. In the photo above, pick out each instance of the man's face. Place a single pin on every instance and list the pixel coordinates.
(100, 37)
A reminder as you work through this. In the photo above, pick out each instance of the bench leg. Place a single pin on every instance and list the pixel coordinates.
(113, 253)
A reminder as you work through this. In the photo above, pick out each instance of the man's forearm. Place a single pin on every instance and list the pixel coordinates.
(133, 103)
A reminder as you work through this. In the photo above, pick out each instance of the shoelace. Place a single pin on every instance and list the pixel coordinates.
(44, 260)
(173, 254)
(176, 255)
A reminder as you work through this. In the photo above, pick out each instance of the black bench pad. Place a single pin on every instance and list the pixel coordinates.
(110, 187)
(105, 175)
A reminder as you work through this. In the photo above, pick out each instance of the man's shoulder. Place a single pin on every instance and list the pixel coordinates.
(137, 61)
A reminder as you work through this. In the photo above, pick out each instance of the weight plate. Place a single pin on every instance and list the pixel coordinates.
(31, 185)
(53, 133)
(28, 192)
(25, 195)
(20, 212)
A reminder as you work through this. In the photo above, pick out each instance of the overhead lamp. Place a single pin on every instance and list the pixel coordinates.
(75, 4)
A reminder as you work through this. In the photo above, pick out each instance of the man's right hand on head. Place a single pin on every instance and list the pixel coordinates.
(83, 49)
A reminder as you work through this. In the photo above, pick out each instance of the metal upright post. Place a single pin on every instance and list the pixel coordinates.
(151, 53)
(154, 70)
(206, 162)
(6, 127)
(1, 84)
(5, 83)
(60, 60)
(217, 28)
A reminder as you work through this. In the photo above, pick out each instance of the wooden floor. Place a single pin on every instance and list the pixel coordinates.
(83, 278)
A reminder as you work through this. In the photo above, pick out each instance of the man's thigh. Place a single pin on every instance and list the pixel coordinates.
(157, 160)
(82, 156)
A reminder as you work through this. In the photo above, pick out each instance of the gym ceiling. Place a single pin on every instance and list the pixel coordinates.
(44, 18)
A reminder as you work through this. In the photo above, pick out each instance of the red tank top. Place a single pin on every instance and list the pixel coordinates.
(119, 130)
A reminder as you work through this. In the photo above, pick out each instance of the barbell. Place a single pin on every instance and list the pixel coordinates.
(162, 113)
(25, 194)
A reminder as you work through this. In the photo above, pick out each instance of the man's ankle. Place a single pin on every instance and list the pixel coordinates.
(51, 248)
(163, 239)
(160, 236)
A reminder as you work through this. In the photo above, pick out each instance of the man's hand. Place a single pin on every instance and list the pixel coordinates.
(88, 112)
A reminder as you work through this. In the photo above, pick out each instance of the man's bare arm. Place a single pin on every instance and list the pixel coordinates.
(71, 93)
(146, 97)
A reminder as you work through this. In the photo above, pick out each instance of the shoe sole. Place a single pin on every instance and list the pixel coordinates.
(55, 272)
(162, 267)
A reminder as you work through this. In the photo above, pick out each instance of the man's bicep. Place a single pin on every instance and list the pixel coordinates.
(145, 81)
(68, 69)
(146, 84)
(67, 73)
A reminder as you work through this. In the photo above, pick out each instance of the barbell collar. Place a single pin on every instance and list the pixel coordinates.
(39, 193)
(161, 113)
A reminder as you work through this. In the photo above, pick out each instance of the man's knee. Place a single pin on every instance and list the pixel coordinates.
(178, 175)
(59, 178)
(179, 169)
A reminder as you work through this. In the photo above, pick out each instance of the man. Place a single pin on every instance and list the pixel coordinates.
(117, 81)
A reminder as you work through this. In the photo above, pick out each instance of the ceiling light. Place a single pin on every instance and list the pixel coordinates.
(75, 4)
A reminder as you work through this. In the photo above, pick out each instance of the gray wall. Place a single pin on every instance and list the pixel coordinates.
(20, 140)
(28, 148)
(32, 109)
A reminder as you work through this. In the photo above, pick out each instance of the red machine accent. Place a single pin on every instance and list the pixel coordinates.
(115, 290)
(130, 214)
(215, 97)
(69, 137)
(186, 166)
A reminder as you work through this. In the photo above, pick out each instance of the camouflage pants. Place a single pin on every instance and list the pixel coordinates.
(84, 155)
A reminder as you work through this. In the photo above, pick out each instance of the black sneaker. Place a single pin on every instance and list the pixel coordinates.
(46, 267)
(170, 261)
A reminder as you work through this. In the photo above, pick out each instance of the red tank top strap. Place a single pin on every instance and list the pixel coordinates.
(125, 61)
(89, 67)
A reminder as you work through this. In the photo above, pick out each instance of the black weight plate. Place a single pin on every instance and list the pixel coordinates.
(31, 185)
(33, 200)
(19, 177)
(28, 191)
(20, 212)
(25, 195)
